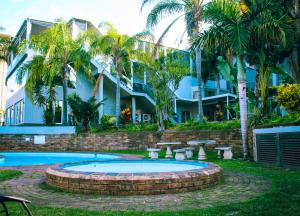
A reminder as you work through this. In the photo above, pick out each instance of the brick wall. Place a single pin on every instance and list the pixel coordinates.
(117, 141)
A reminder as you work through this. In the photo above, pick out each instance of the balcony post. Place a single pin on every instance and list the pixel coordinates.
(131, 71)
(28, 32)
(100, 94)
(133, 109)
(227, 100)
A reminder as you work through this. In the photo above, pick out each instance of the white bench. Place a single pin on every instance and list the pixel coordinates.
(180, 154)
(153, 153)
(227, 153)
(189, 152)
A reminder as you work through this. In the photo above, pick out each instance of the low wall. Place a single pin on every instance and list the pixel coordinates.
(116, 141)
(36, 130)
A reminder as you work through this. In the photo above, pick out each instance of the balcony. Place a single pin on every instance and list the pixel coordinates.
(15, 63)
(143, 88)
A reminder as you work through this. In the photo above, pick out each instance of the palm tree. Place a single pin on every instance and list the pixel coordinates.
(57, 55)
(234, 27)
(293, 7)
(5, 46)
(118, 49)
(191, 11)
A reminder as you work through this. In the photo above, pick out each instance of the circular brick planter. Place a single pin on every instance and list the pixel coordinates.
(123, 184)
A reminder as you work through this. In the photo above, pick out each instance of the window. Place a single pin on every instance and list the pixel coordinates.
(185, 116)
(58, 112)
(9, 115)
(209, 93)
(19, 110)
(195, 94)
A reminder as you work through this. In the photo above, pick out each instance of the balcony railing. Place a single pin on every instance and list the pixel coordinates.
(143, 88)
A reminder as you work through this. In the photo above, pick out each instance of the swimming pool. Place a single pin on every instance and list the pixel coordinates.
(133, 177)
(139, 166)
(44, 158)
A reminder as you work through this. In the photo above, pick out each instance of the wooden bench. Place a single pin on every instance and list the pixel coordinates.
(180, 154)
(225, 151)
(153, 153)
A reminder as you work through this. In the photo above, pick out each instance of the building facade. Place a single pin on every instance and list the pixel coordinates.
(135, 93)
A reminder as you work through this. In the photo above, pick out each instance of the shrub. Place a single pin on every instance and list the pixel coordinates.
(289, 97)
(125, 115)
(206, 125)
(107, 122)
(84, 112)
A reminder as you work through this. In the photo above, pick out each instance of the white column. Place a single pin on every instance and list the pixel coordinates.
(227, 107)
(28, 32)
(191, 64)
(203, 89)
(100, 94)
(175, 105)
(131, 71)
(145, 77)
(133, 111)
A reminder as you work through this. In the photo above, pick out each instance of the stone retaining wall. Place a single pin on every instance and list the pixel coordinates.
(117, 141)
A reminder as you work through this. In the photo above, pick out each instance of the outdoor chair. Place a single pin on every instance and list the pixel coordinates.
(5, 199)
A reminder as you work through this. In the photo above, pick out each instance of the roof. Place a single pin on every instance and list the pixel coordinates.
(215, 97)
(5, 36)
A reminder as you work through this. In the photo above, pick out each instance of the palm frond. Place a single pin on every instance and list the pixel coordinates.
(145, 2)
(163, 35)
(161, 10)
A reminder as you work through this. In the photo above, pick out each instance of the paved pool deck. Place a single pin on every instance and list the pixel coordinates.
(235, 187)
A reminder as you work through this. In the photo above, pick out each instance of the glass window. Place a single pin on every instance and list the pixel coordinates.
(195, 94)
(185, 116)
(58, 112)
(209, 93)
(9, 115)
(19, 110)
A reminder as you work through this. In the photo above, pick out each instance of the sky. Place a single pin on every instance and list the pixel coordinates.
(124, 14)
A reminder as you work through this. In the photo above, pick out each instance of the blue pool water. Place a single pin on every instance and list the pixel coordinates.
(138, 166)
(35, 158)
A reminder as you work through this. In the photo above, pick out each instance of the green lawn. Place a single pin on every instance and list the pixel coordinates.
(283, 197)
(9, 174)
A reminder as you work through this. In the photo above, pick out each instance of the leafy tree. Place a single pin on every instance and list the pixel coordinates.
(293, 7)
(191, 11)
(57, 55)
(289, 97)
(5, 47)
(118, 49)
(235, 26)
(164, 75)
(84, 112)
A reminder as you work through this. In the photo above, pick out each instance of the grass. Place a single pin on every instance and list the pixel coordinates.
(282, 198)
(9, 174)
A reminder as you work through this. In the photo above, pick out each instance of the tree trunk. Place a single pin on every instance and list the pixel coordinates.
(65, 95)
(161, 122)
(257, 80)
(118, 101)
(243, 104)
(218, 83)
(295, 56)
(199, 78)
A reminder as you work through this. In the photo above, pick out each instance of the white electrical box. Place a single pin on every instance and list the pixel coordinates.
(39, 140)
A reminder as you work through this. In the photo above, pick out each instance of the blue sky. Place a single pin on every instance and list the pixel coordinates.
(124, 14)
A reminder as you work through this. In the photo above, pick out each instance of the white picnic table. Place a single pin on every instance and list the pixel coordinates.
(169, 144)
(201, 143)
